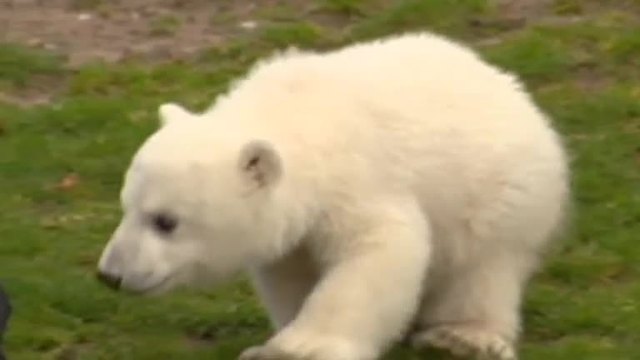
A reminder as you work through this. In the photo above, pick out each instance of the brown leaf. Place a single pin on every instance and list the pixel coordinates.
(69, 182)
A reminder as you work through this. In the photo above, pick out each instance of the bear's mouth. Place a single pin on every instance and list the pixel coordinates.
(156, 288)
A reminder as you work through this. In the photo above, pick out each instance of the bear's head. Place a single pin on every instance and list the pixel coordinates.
(199, 203)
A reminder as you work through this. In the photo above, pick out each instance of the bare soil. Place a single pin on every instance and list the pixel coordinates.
(112, 30)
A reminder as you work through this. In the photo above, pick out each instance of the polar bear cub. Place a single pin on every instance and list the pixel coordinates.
(398, 187)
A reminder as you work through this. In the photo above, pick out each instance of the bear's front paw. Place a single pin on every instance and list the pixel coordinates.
(266, 353)
(466, 342)
(294, 345)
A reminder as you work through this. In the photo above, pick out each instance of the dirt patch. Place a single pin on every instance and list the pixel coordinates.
(32, 98)
(42, 90)
(206, 337)
(114, 30)
(88, 30)
(85, 31)
(523, 10)
(73, 351)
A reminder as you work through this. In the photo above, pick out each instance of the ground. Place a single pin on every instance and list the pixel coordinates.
(80, 81)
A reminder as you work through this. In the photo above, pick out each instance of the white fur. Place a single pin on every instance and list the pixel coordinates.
(416, 185)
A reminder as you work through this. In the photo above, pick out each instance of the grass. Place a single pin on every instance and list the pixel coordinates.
(584, 305)
(18, 64)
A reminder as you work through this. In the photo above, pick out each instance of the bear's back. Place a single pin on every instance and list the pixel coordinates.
(404, 110)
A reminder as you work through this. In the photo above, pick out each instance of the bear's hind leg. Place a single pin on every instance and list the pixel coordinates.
(475, 312)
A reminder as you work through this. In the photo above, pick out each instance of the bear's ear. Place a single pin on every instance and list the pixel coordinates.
(260, 163)
(172, 112)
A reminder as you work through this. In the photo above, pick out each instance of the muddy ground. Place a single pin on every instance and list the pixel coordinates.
(112, 30)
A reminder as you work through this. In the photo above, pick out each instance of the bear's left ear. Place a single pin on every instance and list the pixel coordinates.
(170, 112)
(260, 163)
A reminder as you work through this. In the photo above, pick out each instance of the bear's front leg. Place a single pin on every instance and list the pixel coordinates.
(366, 298)
(284, 284)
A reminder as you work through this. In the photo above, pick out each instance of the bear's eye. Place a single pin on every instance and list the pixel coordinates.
(164, 223)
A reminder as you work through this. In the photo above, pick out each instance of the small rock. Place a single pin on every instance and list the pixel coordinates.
(34, 42)
(249, 25)
(50, 46)
(84, 17)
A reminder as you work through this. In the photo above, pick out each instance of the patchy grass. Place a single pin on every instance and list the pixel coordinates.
(299, 34)
(451, 17)
(166, 25)
(61, 166)
(534, 56)
(19, 65)
(349, 8)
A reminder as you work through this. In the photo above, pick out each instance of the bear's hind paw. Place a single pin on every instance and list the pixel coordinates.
(466, 342)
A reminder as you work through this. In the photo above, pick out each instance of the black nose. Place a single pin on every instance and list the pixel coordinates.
(112, 281)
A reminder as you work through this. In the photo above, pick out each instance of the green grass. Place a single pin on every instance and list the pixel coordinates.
(584, 305)
(18, 64)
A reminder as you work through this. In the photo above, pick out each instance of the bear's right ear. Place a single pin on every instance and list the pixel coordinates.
(172, 112)
(260, 163)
